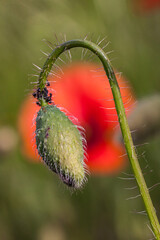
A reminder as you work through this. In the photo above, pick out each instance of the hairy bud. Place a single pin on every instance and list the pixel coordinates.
(59, 143)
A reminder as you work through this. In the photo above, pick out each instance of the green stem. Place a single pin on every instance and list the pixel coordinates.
(121, 116)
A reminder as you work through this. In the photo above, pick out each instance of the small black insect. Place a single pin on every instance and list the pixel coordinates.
(47, 84)
(38, 103)
(34, 94)
(39, 94)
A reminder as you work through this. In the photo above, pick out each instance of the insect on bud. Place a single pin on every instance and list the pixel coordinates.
(59, 143)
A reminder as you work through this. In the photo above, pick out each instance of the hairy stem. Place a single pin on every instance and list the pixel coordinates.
(121, 116)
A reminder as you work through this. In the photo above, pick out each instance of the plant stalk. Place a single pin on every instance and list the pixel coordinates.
(121, 117)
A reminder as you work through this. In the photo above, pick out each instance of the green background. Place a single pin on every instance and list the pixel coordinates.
(33, 203)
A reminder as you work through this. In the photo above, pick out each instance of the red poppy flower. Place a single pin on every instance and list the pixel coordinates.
(85, 92)
(146, 5)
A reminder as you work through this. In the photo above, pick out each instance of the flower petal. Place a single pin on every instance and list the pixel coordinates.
(85, 93)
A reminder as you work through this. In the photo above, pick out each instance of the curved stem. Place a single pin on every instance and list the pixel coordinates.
(121, 116)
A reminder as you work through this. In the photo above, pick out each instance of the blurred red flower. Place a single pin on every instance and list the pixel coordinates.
(83, 90)
(146, 5)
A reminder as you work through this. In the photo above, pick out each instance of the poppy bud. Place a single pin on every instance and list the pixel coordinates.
(59, 143)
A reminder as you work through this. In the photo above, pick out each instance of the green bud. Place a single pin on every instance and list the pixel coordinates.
(59, 143)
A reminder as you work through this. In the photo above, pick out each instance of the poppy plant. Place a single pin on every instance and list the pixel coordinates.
(83, 90)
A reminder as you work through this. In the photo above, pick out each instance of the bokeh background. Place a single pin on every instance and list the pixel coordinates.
(33, 203)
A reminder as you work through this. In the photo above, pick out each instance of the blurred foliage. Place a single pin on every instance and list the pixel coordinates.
(33, 204)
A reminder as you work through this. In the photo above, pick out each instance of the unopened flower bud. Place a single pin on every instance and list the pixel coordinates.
(59, 143)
